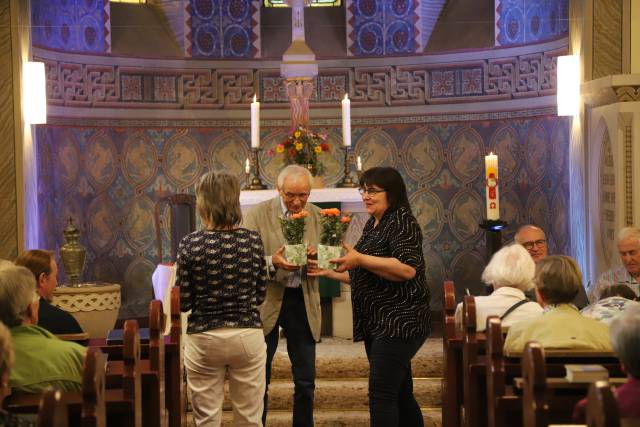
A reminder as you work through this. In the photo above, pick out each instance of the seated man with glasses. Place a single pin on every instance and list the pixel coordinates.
(535, 242)
(293, 298)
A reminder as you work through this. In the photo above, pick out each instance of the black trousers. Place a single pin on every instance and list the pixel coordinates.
(302, 352)
(391, 400)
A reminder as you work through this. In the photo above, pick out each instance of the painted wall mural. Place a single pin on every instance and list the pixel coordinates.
(223, 28)
(530, 21)
(71, 25)
(109, 179)
(379, 27)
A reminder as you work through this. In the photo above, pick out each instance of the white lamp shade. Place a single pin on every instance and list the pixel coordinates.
(568, 85)
(35, 93)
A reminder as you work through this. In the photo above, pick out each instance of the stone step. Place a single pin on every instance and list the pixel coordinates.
(345, 394)
(342, 358)
(336, 418)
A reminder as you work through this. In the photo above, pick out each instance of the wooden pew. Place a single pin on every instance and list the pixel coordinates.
(94, 413)
(474, 384)
(452, 359)
(602, 408)
(176, 392)
(503, 409)
(535, 398)
(53, 410)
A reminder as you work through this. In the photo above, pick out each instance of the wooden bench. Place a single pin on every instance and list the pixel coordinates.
(53, 410)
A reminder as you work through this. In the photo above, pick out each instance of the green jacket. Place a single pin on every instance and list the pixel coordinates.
(42, 360)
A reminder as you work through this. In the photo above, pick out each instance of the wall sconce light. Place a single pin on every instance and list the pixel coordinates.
(34, 93)
(568, 85)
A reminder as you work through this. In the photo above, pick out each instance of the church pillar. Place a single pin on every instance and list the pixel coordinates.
(12, 15)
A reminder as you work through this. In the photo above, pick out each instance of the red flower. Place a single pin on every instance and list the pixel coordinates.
(324, 146)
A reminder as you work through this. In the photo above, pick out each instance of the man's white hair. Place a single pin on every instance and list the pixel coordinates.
(5, 264)
(291, 171)
(511, 266)
(629, 233)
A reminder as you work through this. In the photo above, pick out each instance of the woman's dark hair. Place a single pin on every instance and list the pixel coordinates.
(619, 290)
(391, 182)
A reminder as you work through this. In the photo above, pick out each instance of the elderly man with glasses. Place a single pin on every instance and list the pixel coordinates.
(535, 242)
(293, 298)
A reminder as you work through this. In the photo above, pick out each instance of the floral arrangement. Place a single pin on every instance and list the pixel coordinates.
(303, 147)
(333, 225)
(293, 230)
(293, 227)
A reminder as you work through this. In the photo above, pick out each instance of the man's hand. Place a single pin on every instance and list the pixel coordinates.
(279, 261)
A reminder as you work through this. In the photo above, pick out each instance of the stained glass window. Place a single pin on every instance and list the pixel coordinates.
(316, 3)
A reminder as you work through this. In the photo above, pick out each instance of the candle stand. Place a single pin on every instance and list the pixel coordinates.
(493, 229)
(347, 181)
(255, 183)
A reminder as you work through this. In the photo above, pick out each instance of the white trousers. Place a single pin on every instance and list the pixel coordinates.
(240, 352)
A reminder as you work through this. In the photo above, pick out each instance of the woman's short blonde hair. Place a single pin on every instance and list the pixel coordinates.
(6, 350)
(511, 266)
(218, 199)
(558, 279)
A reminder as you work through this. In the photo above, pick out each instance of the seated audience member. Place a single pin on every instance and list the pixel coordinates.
(534, 240)
(8, 419)
(629, 272)
(50, 317)
(558, 280)
(613, 301)
(625, 340)
(510, 272)
(41, 359)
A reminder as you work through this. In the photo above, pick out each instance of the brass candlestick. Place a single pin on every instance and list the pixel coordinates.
(72, 254)
(256, 183)
(347, 181)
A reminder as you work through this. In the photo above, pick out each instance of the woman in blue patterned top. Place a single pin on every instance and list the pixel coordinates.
(389, 294)
(221, 274)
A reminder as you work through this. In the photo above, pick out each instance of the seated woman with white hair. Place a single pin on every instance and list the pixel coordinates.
(41, 359)
(510, 272)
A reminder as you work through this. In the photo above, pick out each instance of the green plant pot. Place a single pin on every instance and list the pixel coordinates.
(325, 253)
(296, 254)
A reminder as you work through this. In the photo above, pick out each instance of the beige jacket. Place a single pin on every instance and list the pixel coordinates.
(263, 218)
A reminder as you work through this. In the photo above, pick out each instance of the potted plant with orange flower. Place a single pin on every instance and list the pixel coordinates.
(333, 225)
(295, 251)
(304, 147)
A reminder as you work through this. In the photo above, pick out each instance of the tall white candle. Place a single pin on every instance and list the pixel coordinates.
(491, 185)
(359, 164)
(247, 167)
(255, 123)
(346, 121)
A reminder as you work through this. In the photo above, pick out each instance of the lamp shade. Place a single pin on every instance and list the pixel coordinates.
(34, 93)
(568, 85)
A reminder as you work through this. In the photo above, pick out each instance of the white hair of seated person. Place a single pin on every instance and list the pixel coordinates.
(624, 331)
(511, 266)
(629, 233)
(18, 296)
(5, 264)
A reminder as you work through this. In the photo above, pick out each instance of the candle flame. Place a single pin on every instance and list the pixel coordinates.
(346, 96)
(254, 98)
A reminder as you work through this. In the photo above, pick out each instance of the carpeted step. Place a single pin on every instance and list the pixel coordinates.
(336, 418)
(346, 394)
(341, 358)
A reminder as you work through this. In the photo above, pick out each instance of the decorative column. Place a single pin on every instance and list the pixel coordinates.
(298, 67)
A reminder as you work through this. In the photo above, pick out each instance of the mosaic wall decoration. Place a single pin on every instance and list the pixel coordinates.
(530, 21)
(71, 25)
(607, 177)
(223, 28)
(380, 27)
(109, 179)
(112, 86)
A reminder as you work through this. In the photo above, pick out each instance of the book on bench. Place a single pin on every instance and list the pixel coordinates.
(586, 373)
(115, 336)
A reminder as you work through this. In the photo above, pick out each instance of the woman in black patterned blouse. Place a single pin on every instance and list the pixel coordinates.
(390, 296)
(221, 274)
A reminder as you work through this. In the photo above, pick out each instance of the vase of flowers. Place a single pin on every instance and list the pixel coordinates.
(333, 225)
(295, 251)
(304, 147)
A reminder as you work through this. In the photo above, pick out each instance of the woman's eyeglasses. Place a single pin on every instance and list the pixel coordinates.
(369, 191)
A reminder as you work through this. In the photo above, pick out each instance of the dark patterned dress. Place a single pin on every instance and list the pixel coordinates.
(8, 419)
(221, 274)
(382, 308)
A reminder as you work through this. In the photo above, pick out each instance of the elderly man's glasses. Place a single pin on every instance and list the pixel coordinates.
(369, 191)
(529, 245)
(299, 196)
